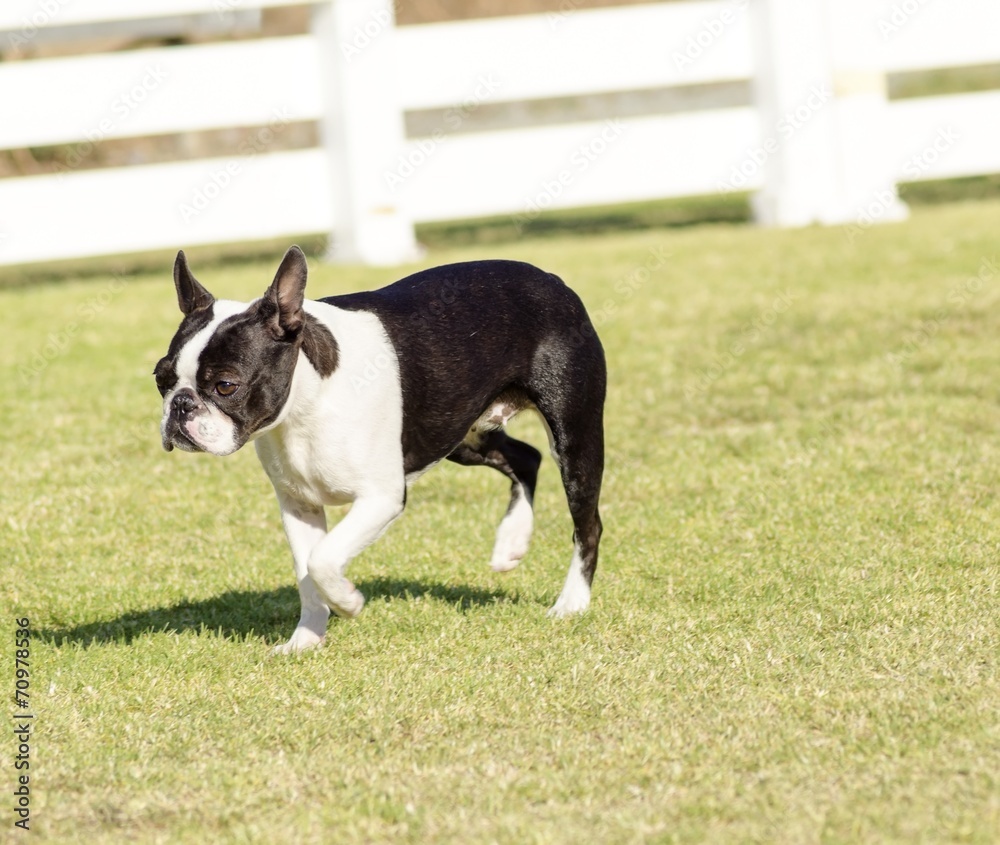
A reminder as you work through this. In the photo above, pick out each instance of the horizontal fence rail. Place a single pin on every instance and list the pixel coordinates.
(576, 53)
(148, 92)
(127, 209)
(920, 34)
(947, 137)
(357, 75)
(23, 16)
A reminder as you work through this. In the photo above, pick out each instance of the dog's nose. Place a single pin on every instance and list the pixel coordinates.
(183, 403)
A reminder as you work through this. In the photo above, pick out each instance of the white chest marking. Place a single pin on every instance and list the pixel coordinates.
(340, 437)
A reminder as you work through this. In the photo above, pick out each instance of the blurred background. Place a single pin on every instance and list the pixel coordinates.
(372, 130)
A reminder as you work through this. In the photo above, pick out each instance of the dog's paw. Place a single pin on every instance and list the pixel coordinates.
(505, 559)
(569, 602)
(349, 603)
(562, 609)
(301, 640)
(338, 594)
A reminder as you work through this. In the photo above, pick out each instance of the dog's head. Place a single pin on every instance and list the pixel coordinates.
(228, 372)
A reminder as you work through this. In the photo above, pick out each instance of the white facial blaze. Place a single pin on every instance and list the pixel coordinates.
(210, 428)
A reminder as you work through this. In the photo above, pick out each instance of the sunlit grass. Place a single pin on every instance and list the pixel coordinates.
(794, 633)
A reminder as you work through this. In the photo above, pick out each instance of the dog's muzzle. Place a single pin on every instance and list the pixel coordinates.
(183, 404)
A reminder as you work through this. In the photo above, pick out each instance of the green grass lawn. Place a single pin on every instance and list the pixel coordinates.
(794, 634)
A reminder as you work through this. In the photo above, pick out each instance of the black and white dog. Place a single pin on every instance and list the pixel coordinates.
(349, 398)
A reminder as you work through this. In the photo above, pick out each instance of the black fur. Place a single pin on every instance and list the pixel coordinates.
(467, 333)
(191, 296)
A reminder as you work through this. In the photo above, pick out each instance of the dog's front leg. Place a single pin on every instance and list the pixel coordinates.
(305, 527)
(364, 523)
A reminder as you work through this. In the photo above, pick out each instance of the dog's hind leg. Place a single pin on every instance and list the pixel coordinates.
(519, 462)
(576, 433)
(581, 473)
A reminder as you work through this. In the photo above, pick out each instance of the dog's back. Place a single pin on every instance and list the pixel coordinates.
(476, 331)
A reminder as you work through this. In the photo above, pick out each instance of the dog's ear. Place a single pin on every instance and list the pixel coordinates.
(191, 296)
(286, 295)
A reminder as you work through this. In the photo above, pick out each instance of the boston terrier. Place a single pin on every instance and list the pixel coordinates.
(350, 398)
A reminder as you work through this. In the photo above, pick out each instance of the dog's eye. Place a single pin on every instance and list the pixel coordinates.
(226, 388)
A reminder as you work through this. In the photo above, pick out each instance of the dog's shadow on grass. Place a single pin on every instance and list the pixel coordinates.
(270, 614)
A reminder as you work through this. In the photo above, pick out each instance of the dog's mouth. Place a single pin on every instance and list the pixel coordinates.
(173, 435)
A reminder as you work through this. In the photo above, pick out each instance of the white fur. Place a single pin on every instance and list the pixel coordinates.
(213, 431)
(338, 441)
(575, 595)
(335, 443)
(513, 535)
(304, 528)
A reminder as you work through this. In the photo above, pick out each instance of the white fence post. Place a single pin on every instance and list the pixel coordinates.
(362, 131)
(868, 159)
(830, 149)
(820, 92)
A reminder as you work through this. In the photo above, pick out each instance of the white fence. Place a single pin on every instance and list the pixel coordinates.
(820, 142)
